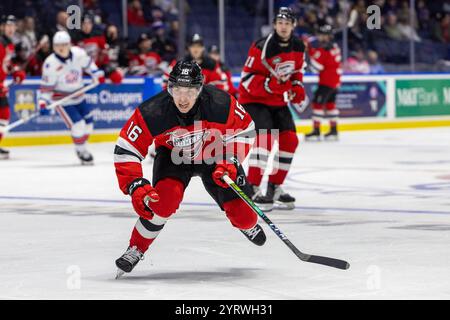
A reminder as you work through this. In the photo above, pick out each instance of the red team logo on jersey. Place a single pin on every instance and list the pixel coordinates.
(189, 143)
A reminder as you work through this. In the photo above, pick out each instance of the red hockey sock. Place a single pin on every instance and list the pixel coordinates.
(288, 143)
(317, 114)
(332, 113)
(4, 118)
(145, 231)
(258, 158)
(240, 214)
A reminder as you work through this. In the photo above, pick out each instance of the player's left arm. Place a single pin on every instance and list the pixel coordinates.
(240, 131)
(131, 148)
(88, 65)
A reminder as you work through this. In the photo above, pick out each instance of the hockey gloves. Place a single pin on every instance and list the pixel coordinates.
(223, 169)
(274, 86)
(142, 194)
(298, 92)
(43, 111)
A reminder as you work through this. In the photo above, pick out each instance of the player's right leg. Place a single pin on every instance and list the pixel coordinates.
(318, 113)
(170, 191)
(4, 121)
(75, 121)
(260, 153)
(170, 181)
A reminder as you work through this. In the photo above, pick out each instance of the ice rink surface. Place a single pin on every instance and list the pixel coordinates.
(378, 199)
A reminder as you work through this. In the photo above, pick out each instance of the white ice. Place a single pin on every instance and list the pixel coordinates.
(379, 199)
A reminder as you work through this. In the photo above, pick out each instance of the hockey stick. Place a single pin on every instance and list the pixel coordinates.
(267, 65)
(51, 106)
(330, 262)
(296, 110)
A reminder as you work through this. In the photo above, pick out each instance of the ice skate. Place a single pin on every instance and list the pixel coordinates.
(255, 235)
(260, 200)
(4, 154)
(85, 157)
(128, 261)
(314, 135)
(284, 200)
(332, 135)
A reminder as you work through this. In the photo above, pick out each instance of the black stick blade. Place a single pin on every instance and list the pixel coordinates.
(331, 262)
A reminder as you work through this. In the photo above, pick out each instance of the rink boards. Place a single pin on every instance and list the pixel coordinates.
(365, 103)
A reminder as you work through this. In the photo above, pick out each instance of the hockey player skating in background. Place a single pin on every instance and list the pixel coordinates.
(198, 131)
(6, 67)
(325, 57)
(274, 66)
(212, 72)
(214, 53)
(62, 75)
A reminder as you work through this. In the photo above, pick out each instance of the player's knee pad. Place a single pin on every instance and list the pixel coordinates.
(288, 141)
(89, 127)
(240, 214)
(170, 191)
(79, 129)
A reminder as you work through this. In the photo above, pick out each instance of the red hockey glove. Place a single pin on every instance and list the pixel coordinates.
(116, 77)
(18, 76)
(298, 92)
(274, 86)
(142, 193)
(222, 169)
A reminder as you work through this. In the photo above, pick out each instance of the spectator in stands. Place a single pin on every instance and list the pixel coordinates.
(36, 61)
(374, 64)
(423, 15)
(145, 61)
(164, 45)
(357, 63)
(115, 48)
(392, 28)
(27, 36)
(441, 30)
(214, 53)
(407, 31)
(135, 14)
(61, 21)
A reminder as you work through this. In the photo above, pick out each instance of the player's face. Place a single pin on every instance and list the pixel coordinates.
(62, 49)
(10, 29)
(215, 56)
(184, 97)
(196, 51)
(284, 28)
(323, 37)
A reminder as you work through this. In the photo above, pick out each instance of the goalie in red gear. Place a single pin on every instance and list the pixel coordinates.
(325, 57)
(197, 131)
(273, 70)
(6, 67)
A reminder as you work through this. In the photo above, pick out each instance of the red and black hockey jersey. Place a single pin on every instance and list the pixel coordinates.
(326, 59)
(95, 45)
(216, 125)
(282, 57)
(6, 55)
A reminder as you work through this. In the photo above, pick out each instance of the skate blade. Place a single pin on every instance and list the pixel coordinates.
(335, 138)
(4, 157)
(265, 207)
(285, 205)
(87, 163)
(119, 274)
(313, 139)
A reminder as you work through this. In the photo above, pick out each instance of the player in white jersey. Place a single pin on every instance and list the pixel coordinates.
(62, 75)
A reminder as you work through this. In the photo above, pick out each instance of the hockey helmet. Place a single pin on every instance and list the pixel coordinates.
(285, 13)
(186, 73)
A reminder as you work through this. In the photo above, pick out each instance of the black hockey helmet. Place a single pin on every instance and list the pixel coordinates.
(195, 39)
(285, 13)
(186, 73)
(325, 29)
